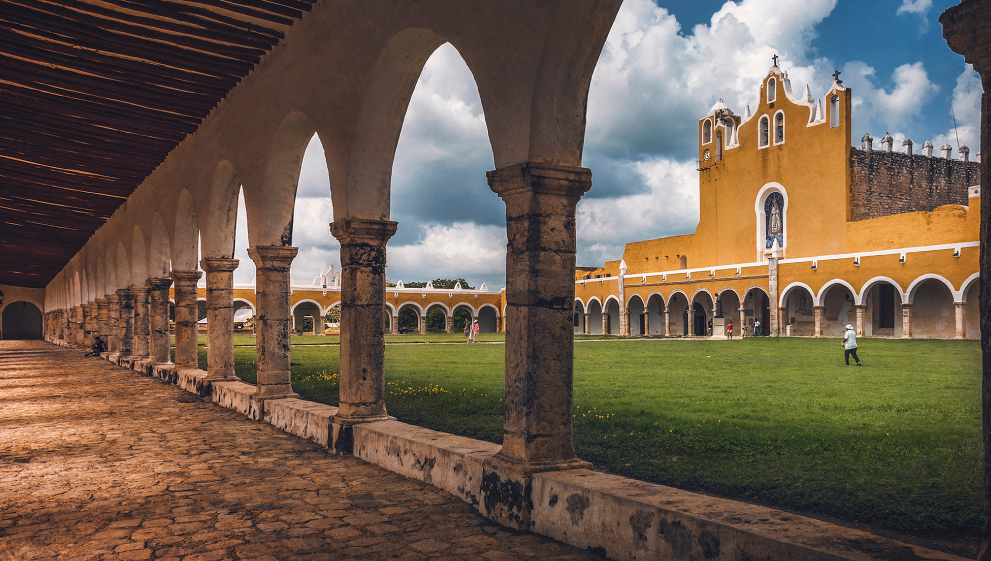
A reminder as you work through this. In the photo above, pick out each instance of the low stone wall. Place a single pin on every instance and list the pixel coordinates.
(621, 518)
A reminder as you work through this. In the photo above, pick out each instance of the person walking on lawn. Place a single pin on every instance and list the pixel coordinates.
(729, 329)
(475, 329)
(468, 329)
(850, 345)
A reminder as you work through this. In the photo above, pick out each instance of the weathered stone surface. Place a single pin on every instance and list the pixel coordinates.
(220, 317)
(234, 395)
(301, 418)
(105, 464)
(272, 320)
(185, 318)
(142, 323)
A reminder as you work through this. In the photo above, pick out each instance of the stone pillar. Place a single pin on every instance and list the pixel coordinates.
(667, 323)
(540, 263)
(318, 325)
(783, 318)
(624, 318)
(691, 320)
(101, 318)
(125, 325)
(158, 313)
(113, 323)
(586, 328)
(961, 315)
(818, 310)
(423, 325)
(220, 317)
(906, 321)
(272, 323)
(449, 321)
(87, 324)
(186, 315)
(363, 250)
(605, 322)
(772, 287)
(861, 324)
(142, 325)
(965, 27)
(646, 323)
(395, 324)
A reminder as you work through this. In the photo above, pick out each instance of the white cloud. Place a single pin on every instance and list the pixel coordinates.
(879, 110)
(914, 7)
(463, 249)
(967, 112)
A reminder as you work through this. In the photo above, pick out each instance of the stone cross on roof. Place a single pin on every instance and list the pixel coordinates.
(836, 78)
(775, 59)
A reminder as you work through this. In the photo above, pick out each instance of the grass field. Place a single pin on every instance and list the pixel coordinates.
(781, 422)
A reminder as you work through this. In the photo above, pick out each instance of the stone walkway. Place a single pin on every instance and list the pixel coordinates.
(98, 462)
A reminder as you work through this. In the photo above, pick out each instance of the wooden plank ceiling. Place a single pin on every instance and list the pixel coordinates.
(94, 94)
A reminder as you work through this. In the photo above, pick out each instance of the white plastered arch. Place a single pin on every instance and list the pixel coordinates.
(859, 298)
(242, 301)
(292, 311)
(419, 309)
(910, 291)
(667, 303)
(818, 299)
(494, 307)
(765, 191)
(786, 291)
(471, 309)
(447, 311)
(965, 287)
(638, 297)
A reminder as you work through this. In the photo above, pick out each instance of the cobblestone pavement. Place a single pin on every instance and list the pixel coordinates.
(98, 462)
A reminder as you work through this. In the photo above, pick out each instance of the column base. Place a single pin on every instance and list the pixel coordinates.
(507, 488)
(718, 329)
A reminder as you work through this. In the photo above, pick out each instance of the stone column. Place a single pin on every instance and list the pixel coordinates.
(605, 322)
(87, 324)
(783, 318)
(142, 323)
(691, 319)
(220, 317)
(540, 274)
(423, 325)
(861, 324)
(667, 323)
(363, 251)
(450, 323)
(395, 325)
(624, 319)
(906, 321)
(646, 323)
(818, 311)
(186, 315)
(965, 27)
(125, 325)
(101, 318)
(113, 323)
(158, 314)
(272, 323)
(772, 287)
(318, 326)
(961, 316)
(586, 328)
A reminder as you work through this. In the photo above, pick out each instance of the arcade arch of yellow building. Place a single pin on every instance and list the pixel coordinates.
(804, 233)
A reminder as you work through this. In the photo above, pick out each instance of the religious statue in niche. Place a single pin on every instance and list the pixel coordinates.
(774, 220)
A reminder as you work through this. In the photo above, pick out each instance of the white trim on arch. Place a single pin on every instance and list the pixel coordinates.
(292, 310)
(338, 303)
(593, 299)
(420, 311)
(760, 144)
(471, 309)
(790, 287)
(612, 297)
(719, 292)
(447, 311)
(966, 286)
(702, 290)
(667, 303)
(254, 311)
(774, 128)
(487, 305)
(765, 191)
(659, 297)
(859, 299)
(638, 297)
(817, 299)
(580, 301)
(392, 309)
(910, 291)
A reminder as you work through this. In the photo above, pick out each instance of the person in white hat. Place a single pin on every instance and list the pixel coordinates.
(850, 345)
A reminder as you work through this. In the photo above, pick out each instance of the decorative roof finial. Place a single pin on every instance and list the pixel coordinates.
(775, 59)
(836, 78)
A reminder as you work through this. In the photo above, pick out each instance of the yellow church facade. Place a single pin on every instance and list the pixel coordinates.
(800, 234)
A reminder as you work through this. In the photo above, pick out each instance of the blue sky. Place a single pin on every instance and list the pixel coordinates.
(663, 66)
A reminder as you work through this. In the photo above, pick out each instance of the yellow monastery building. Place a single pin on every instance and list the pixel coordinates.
(804, 233)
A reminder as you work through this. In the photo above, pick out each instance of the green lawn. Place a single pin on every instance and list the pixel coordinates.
(775, 421)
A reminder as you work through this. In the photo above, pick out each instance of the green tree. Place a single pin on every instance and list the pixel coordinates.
(307, 323)
(334, 314)
(408, 320)
(451, 283)
(415, 284)
(437, 319)
(461, 315)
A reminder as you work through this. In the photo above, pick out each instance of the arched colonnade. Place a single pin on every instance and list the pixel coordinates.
(348, 78)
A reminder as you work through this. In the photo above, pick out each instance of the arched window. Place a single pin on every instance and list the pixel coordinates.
(771, 208)
(684, 261)
(772, 90)
(719, 146)
(706, 131)
(779, 127)
(834, 111)
(763, 132)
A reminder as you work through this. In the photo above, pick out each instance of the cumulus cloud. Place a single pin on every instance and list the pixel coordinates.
(463, 249)
(918, 8)
(967, 112)
(892, 110)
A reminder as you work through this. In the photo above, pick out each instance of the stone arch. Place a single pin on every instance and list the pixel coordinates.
(219, 222)
(786, 292)
(488, 318)
(392, 310)
(111, 272)
(701, 312)
(578, 310)
(185, 249)
(307, 308)
(965, 286)
(772, 89)
(779, 127)
(830, 284)
(729, 303)
(123, 267)
(297, 304)
(763, 132)
(76, 299)
(101, 276)
(707, 131)
(913, 288)
(447, 310)
(797, 303)
(471, 309)
(837, 298)
(139, 261)
(21, 320)
(159, 252)
(874, 281)
(635, 310)
(655, 308)
(419, 309)
(611, 311)
(594, 311)
(269, 205)
(757, 306)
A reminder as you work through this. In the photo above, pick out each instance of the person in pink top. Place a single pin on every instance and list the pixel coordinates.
(474, 331)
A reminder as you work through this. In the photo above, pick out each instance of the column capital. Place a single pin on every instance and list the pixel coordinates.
(186, 278)
(219, 264)
(159, 283)
(113, 298)
(139, 289)
(540, 177)
(906, 305)
(124, 292)
(818, 307)
(363, 230)
(272, 257)
(101, 301)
